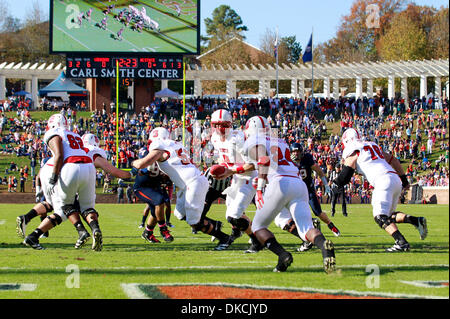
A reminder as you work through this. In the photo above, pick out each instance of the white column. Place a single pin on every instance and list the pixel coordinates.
(198, 88)
(336, 89)
(231, 89)
(28, 85)
(2, 87)
(294, 88)
(326, 87)
(164, 84)
(359, 87)
(301, 89)
(423, 86)
(447, 87)
(369, 88)
(35, 91)
(391, 86)
(404, 90)
(437, 87)
(264, 88)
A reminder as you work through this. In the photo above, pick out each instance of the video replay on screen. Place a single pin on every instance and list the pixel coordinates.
(125, 26)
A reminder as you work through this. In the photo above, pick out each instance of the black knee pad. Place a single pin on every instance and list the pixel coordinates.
(200, 226)
(383, 221)
(393, 218)
(56, 220)
(69, 210)
(89, 211)
(240, 223)
(290, 226)
(48, 207)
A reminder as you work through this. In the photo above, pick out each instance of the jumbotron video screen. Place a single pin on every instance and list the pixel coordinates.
(125, 26)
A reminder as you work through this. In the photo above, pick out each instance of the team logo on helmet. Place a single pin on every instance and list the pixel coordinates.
(349, 136)
(57, 121)
(257, 125)
(221, 121)
(90, 139)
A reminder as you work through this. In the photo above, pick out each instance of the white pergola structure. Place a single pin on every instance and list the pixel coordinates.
(296, 73)
(31, 73)
(329, 73)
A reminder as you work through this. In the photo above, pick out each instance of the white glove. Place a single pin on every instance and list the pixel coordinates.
(39, 193)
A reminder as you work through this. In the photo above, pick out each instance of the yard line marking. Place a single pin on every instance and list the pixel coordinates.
(2, 221)
(73, 38)
(426, 284)
(227, 267)
(134, 292)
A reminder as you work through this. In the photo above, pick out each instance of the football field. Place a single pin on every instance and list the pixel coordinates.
(189, 268)
(177, 34)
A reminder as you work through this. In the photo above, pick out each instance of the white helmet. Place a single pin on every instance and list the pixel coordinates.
(159, 133)
(90, 139)
(350, 135)
(221, 121)
(57, 121)
(257, 125)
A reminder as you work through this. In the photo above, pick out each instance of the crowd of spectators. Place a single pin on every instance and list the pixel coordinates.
(413, 132)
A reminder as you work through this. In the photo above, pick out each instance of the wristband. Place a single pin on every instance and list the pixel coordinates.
(240, 170)
(53, 179)
(404, 180)
(261, 183)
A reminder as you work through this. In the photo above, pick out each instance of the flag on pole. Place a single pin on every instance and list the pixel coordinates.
(275, 49)
(308, 55)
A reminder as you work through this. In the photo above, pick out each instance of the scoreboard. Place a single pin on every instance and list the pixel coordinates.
(132, 67)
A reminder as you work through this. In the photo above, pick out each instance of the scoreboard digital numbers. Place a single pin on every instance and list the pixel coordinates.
(132, 67)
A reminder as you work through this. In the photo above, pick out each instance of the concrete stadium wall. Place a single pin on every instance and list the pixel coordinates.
(441, 194)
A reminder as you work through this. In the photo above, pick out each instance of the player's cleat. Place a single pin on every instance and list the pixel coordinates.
(45, 235)
(148, 236)
(329, 261)
(334, 229)
(345, 214)
(305, 246)
(223, 245)
(82, 239)
(166, 235)
(254, 247)
(284, 261)
(21, 226)
(97, 240)
(141, 225)
(170, 225)
(316, 223)
(33, 243)
(422, 227)
(398, 247)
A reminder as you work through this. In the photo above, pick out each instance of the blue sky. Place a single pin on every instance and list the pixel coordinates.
(292, 17)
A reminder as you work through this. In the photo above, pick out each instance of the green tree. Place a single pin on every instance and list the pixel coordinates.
(293, 48)
(224, 25)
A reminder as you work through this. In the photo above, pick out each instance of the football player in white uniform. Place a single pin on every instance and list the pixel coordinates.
(285, 189)
(99, 158)
(384, 172)
(70, 172)
(229, 145)
(192, 186)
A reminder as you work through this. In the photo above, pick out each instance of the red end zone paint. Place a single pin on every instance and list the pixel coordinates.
(220, 292)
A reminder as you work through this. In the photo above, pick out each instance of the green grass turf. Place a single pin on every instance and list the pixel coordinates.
(177, 34)
(127, 258)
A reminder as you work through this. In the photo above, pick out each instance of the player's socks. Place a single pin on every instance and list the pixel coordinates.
(149, 228)
(143, 220)
(36, 234)
(274, 246)
(319, 241)
(79, 227)
(30, 215)
(411, 220)
(94, 225)
(399, 238)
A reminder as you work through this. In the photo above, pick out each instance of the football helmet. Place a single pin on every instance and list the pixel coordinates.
(221, 121)
(57, 121)
(159, 133)
(350, 135)
(90, 140)
(257, 125)
(297, 151)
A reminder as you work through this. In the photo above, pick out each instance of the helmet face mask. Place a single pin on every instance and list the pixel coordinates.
(350, 136)
(221, 122)
(297, 151)
(90, 139)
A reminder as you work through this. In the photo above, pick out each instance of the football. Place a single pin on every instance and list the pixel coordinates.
(217, 170)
